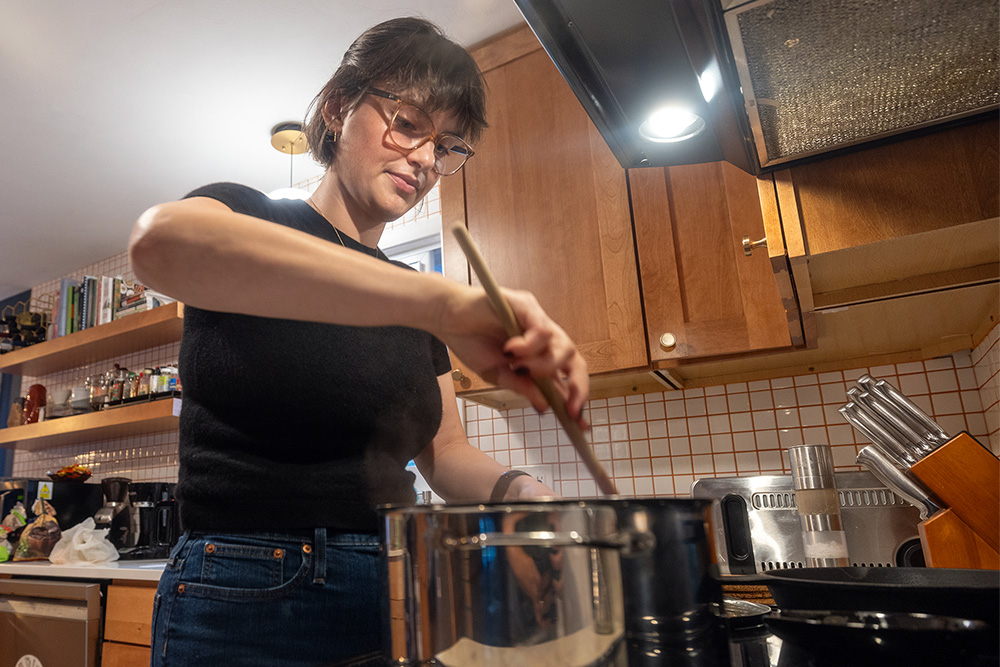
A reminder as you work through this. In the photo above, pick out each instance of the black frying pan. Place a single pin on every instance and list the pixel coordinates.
(971, 594)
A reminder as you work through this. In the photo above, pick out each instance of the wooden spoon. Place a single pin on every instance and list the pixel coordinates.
(545, 385)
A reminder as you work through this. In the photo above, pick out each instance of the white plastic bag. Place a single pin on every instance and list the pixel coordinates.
(82, 545)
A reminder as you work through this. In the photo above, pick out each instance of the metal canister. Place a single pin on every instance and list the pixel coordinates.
(818, 503)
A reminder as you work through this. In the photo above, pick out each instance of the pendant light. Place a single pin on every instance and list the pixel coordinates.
(289, 138)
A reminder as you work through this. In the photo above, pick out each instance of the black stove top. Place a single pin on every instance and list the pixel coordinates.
(728, 645)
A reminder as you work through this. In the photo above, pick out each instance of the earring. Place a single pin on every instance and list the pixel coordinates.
(335, 135)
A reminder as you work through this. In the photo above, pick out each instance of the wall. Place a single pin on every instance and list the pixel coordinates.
(659, 443)
(150, 458)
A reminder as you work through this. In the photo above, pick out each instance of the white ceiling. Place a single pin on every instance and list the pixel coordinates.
(110, 106)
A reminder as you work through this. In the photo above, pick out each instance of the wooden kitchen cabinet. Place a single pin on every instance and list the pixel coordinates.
(547, 204)
(882, 255)
(703, 297)
(128, 624)
(893, 252)
(902, 218)
(554, 213)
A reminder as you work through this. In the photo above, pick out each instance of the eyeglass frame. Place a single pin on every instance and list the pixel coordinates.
(431, 137)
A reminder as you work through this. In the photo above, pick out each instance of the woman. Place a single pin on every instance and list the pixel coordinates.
(314, 368)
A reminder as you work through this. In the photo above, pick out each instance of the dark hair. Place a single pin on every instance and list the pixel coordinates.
(405, 54)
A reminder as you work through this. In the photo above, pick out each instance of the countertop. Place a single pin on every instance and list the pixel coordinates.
(132, 570)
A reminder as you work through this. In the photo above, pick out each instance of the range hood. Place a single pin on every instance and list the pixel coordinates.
(769, 82)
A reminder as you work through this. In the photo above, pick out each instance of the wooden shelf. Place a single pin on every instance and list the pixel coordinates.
(154, 327)
(139, 419)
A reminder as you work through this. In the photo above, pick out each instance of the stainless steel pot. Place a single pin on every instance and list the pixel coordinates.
(543, 583)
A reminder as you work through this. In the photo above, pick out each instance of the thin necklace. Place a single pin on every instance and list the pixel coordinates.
(340, 238)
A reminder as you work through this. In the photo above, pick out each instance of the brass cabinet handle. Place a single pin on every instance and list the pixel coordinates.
(749, 245)
(668, 341)
(457, 375)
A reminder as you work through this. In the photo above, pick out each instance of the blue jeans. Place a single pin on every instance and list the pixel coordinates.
(298, 599)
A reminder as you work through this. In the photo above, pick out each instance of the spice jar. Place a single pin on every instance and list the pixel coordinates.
(116, 380)
(144, 382)
(132, 385)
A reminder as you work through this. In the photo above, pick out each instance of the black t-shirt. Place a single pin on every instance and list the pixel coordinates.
(290, 424)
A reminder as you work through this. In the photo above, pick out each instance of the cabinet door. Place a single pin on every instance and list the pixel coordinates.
(907, 217)
(547, 204)
(129, 613)
(124, 655)
(703, 296)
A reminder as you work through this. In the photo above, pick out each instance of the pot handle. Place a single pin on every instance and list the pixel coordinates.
(628, 542)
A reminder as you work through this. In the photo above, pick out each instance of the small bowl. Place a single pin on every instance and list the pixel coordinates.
(60, 476)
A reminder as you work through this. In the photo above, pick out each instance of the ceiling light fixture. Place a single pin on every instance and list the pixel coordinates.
(671, 124)
(289, 138)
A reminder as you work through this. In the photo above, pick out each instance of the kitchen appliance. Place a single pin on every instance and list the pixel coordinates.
(757, 527)
(50, 623)
(547, 583)
(116, 514)
(153, 518)
(770, 82)
(72, 501)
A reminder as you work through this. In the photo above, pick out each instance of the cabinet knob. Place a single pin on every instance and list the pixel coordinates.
(749, 245)
(668, 341)
(457, 375)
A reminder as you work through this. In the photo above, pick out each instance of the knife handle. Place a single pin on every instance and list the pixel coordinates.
(545, 385)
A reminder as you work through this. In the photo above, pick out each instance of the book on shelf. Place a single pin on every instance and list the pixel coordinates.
(134, 297)
(96, 300)
(63, 306)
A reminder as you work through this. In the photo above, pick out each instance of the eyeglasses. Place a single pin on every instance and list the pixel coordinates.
(410, 128)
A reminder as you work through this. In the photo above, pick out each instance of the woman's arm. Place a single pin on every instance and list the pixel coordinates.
(457, 471)
(202, 253)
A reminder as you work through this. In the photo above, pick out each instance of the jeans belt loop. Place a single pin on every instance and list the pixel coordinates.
(319, 556)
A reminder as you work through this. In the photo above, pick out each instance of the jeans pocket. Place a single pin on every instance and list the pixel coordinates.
(232, 571)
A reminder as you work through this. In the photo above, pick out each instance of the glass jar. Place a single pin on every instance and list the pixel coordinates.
(131, 386)
(144, 382)
(98, 387)
(116, 382)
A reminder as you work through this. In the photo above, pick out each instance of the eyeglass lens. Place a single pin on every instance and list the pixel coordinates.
(411, 127)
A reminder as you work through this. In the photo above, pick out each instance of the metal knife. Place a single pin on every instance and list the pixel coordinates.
(881, 465)
(877, 434)
(929, 433)
(912, 409)
(906, 435)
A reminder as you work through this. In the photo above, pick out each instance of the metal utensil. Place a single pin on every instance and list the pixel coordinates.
(877, 434)
(880, 465)
(928, 433)
(911, 408)
(912, 440)
(545, 385)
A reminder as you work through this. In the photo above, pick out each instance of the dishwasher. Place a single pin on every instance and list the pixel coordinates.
(49, 623)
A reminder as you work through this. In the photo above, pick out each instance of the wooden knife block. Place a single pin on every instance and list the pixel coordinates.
(965, 476)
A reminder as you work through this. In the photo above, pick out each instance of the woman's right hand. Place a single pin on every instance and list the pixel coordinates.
(472, 330)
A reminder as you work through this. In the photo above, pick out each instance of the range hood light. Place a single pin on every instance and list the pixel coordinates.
(710, 82)
(671, 124)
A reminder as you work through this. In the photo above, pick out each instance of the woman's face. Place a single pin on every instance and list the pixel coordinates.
(378, 180)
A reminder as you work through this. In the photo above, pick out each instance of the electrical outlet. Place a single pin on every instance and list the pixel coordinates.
(543, 473)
